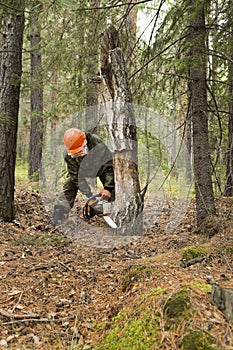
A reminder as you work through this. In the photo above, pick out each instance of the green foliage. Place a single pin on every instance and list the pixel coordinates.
(138, 327)
(69, 46)
(35, 176)
(21, 170)
(21, 176)
(135, 328)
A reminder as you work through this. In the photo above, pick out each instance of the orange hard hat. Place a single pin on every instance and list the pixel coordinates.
(74, 140)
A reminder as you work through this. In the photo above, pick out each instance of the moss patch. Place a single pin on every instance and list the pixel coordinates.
(194, 252)
(136, 327)
(135, 274)
(197, 340)
(205, 287)
(139, 327)
(178, 306)
(138, 332)
(39, 240)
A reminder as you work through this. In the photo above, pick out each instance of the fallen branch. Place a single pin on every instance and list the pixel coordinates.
(192, 261)
(43, 267)
(49, 266)
(39, 320)
(18, 316)
(15, 306)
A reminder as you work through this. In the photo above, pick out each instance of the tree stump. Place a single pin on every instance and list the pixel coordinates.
(223, 299)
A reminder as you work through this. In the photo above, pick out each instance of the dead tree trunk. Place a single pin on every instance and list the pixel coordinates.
(118, 108)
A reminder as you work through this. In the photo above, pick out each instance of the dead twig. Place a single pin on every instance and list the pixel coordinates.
(63, 264)
(15, 306)
(18, 316)
(39, 320)
(52, 265)
(42, 267)
(227, 262)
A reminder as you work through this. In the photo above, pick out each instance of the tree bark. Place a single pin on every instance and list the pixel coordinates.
(10, 76)
(123, 138)
(188, 143)
(228, 191)
(131, 34)
(202, 166)
(92, 94)
(36, 130)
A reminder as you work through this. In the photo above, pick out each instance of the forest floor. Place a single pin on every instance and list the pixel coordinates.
(58, 294)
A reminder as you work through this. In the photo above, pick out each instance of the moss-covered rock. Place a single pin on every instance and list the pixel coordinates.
(153, 318)
(197, 340)
(136, 327)
(177, 307)
(194, 252)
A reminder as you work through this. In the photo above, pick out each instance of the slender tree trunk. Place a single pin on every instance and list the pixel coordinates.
(36, 131)
(131, 34)
(228, 191)
(92, 96)
(174, 172)
(10, 76)
(202, 169)
(123, 137)
(188, 144)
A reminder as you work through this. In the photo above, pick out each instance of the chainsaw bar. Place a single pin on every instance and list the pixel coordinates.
(109, 221)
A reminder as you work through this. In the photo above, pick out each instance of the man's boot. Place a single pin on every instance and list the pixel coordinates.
(58, 215)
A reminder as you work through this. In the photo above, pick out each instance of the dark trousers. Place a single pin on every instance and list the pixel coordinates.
(67, 197)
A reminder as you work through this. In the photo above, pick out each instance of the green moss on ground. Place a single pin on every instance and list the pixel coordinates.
(197, 340)
(135, 328)
(194, 252)
(44, 239)
(177, 307)
(135, 274)
(139, 327)
(138, 333)
(205, 287)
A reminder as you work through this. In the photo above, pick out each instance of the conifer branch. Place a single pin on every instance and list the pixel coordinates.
(157, 55)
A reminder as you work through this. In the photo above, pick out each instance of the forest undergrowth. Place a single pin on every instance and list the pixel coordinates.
(152, 293)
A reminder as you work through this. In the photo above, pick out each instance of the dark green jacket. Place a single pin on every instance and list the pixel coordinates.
(97, 163)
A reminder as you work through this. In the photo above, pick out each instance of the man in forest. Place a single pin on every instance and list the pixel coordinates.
(86, 156)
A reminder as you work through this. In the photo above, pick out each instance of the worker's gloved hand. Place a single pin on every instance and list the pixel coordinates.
(58, 215)
(105, 194)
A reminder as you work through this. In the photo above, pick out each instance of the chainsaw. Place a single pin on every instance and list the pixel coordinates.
(96, 206)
